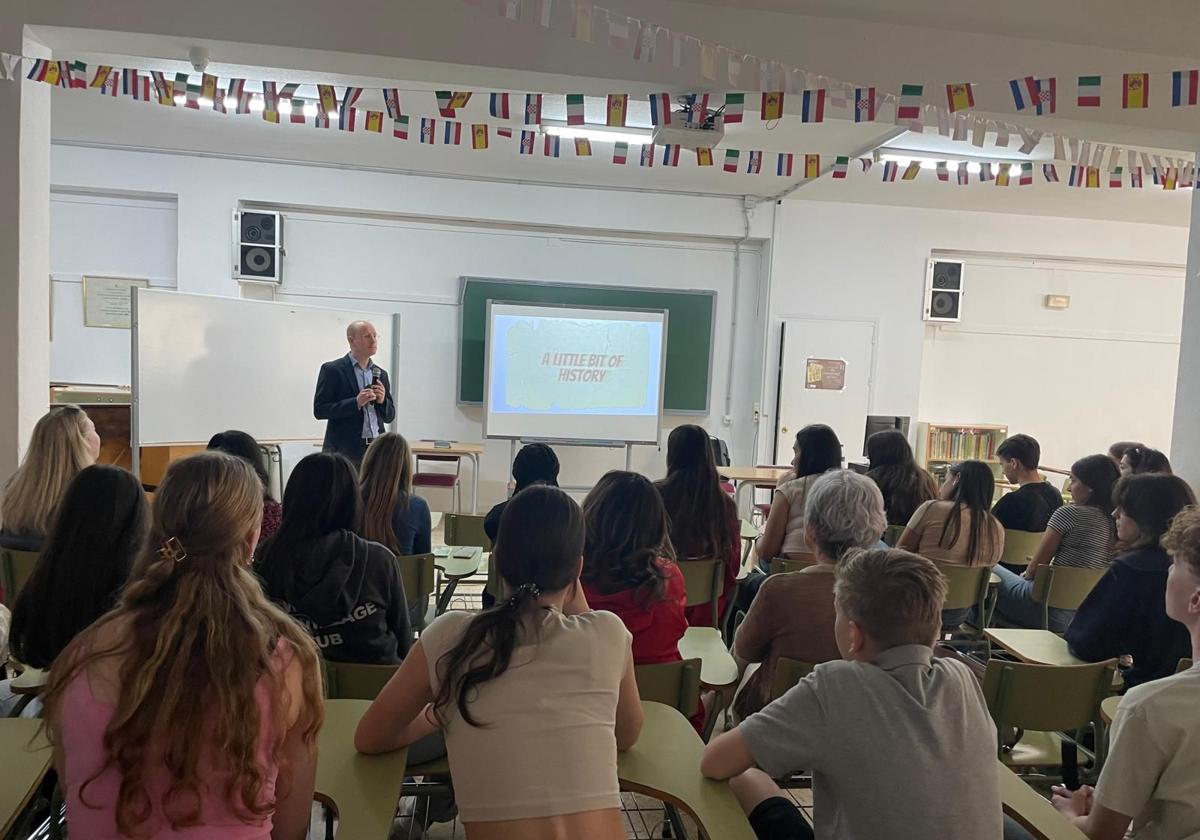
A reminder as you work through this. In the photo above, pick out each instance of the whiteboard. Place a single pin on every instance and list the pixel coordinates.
(202, 364)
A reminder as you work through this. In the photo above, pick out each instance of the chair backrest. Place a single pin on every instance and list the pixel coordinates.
(788, 672)
(442, 459)
(1063, 587)
(1020, 546)
(355, 681)
(704, 580)
(466, 529)
(416, 573)
(1183, 665)
(675, 684)
(1046, 698)
(794, 563)
(966, 586)
(15, 568)
(892, 534)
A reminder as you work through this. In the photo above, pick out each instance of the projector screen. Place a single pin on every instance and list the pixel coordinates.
(574, 374)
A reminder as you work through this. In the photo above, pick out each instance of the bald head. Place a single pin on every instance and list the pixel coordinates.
(363, 339)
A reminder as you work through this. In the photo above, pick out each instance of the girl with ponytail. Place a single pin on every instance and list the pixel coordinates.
(539, 677)
(194, 705)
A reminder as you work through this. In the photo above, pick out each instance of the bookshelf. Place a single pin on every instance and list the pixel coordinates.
(941, 444)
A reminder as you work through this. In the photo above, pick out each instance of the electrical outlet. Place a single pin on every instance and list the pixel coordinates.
(727, 420)
(757, 412)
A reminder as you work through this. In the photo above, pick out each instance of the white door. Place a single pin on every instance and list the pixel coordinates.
(826, 369)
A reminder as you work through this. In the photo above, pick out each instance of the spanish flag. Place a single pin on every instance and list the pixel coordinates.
(459, 100)
(704, 157)
(618, 105)
(583, 147)
(812, 166)
(329, 103)
(960, 96)
(772, 104)
(1135, 92)
(101, 77)
(479, 135)
(375, 121)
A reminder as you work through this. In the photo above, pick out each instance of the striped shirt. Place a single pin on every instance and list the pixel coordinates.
(1087, 534)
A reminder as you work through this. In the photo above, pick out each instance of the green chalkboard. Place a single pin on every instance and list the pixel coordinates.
(689, 330)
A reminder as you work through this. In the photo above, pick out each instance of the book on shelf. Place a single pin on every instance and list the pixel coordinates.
(963, 445)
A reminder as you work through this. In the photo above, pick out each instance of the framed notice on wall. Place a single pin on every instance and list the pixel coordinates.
(108, 301)
(825, 375)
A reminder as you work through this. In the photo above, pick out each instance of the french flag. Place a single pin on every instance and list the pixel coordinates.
(660, 109)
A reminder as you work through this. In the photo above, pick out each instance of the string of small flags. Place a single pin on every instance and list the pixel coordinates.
(336, 107)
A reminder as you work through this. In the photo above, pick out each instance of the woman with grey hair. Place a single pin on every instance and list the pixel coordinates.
(792, 616)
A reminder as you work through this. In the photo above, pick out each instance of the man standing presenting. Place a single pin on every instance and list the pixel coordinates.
(354, 395)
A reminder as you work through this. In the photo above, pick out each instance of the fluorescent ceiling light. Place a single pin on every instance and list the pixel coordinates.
(928, 164)
(204, 102)
(974, 167)
(1014, 169)
(284, 106)
(601, 133)
(256, 103)
(310, 109)
(180, 98)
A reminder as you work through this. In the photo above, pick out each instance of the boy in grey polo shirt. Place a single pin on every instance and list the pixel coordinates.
(900, 744)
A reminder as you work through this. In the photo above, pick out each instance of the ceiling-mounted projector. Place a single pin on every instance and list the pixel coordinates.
(690, 135)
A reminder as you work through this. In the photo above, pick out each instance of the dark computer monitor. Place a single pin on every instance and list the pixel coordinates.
(881, 423)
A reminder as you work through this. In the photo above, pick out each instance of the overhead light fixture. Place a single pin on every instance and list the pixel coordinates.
(1014, 169)
(310, 109)
(284, 106)
(601, 133)
(333, 115)
(929, 164)
(256, 103)
(204, 102)
(180, 98)
(974, 167)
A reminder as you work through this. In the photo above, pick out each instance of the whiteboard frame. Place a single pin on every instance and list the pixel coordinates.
(487, 374)
(135, 447)
(712, 330)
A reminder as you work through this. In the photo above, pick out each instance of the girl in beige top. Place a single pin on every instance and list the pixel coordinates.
(536, 695)
(817, 450)
(958, 527)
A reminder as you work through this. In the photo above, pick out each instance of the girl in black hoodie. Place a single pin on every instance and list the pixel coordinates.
(346, 590)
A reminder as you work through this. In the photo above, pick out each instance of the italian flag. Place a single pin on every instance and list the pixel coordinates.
(731, 160)
(1088, 92)
(574, 109)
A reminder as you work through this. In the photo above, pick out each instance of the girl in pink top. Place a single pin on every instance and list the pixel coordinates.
(191, 710)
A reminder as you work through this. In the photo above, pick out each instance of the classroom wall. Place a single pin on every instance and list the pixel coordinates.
(387, 242)
(834, 260)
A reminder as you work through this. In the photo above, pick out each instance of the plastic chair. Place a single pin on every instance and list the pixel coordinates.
(466, 529)
(15, 568)
(788, 672)
(1019, 547)
(1042, 701)
(704, 579)
(417, 575)
(354, 680)
(675, 684)
(1062, 587)
(798, 561)
(892, 534)
(448, 481)
(1183, 665)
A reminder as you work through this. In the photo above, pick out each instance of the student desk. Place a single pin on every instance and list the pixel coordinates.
(746, 478)
(470, 451)
(31, 681)
(455, 568)
(1033, 811)
(1037, 647)
(1108, 708)
(717, 668)
(27, 758)
(665, 764)
(362, 789)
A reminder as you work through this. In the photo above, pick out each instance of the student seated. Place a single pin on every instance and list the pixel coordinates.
(346, 590)
(1027, 508)
(392, 515)
(100, 526)
(64, 441)
(1124, 614)
(628, 570)
(900, 744)
(1117, 451)
(246, 447)
(535, 696)
(703, 519)
(193, 707)
(1142, 459)
(536, 463)
(904, 484)
(793, 614)
(1080, 534)
(817, 450)
(1151, 777)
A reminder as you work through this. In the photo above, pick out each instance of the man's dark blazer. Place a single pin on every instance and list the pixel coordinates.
(335, 400)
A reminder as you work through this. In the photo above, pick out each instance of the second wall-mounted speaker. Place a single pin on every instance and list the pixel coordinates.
(257, 246)
(944, 291)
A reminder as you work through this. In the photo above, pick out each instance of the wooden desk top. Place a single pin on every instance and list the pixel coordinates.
(1038, 647)
(457, 447)
(665, 764)
(363, 789)
(457, 567)
(749, 530)
(717, 668)
(1108, 708)
(770, 474)
(23, 768)
(1033, 811)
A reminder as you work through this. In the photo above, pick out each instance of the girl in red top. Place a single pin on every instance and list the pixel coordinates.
(628, 570)
(704, 520)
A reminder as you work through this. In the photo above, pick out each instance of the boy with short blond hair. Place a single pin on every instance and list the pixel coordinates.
(900, 744)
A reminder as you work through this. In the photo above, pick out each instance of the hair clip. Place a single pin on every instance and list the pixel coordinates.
(531, 588)
(172, 550)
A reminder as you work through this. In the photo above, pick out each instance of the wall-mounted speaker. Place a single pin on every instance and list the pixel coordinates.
(944, 291)
(257, 246)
